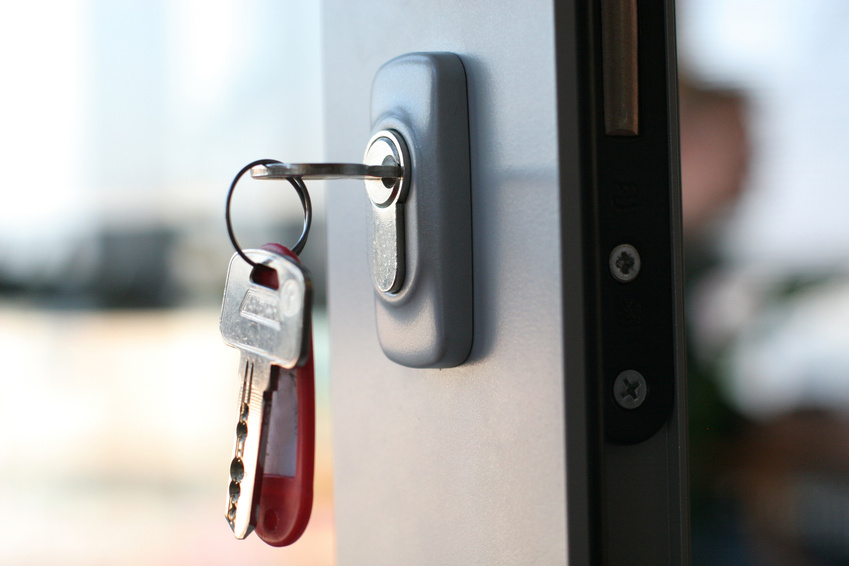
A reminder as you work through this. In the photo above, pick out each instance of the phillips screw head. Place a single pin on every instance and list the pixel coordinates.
(624, 263)
(630, 389)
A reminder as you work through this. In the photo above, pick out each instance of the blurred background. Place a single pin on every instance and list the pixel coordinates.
(122, 123)
(764, 159)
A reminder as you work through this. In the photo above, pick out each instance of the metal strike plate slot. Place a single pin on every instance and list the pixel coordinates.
(620, 67)
(420, 241)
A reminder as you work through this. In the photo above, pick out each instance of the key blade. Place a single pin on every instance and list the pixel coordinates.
(248, 445)
(265, 321)
(326, 171)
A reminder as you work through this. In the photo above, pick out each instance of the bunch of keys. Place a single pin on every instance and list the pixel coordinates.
(266, 315)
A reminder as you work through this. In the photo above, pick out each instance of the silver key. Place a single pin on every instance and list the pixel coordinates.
(268, 326)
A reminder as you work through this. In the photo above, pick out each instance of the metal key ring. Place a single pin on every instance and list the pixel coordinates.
(303, 194)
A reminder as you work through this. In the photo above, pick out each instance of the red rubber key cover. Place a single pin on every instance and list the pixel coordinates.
(285, 502)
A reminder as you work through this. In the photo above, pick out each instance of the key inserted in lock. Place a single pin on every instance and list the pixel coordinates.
(420, 229)
(424, 307)
(387, 198)
(387, 177)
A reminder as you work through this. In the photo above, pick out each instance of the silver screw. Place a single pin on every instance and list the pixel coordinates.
(624, 263)
(630, 389)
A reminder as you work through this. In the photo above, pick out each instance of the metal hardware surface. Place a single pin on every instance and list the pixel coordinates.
(624, 263)
(263, 321)
(630, 389)
(424, 301)
(620, 67)
(387, 260)
(327, 171)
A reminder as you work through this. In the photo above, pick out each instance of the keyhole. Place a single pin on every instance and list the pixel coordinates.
(389, 182)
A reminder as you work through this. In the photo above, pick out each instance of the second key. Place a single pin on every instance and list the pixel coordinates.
(265, 315)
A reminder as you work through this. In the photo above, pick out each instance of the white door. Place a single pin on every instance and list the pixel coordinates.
(506, 458)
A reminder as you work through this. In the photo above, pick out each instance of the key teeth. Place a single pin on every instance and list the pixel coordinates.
(230, 516)
(239, 536)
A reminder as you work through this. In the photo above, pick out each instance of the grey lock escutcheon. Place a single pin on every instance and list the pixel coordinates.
(426, 319)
